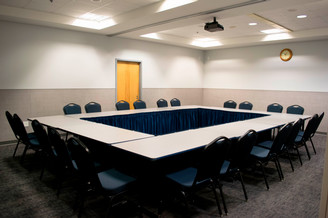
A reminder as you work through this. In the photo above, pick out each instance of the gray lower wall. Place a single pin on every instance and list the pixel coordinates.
(313, 102)
(46, 102)
(28, 103)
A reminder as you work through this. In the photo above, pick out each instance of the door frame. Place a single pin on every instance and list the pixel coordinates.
(140, 75)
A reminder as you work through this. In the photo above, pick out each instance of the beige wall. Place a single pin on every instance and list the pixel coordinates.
(313, 102)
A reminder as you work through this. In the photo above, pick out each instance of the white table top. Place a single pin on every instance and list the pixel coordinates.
(97, 131)
(160, 146)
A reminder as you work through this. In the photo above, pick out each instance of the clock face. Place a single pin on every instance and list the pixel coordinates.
(286, 54)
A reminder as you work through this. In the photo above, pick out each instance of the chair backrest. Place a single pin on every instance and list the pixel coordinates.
(161, 103)
(295, 109)
(81, 155)
(59, 145)
(317, 123)
(139, 104)
(275, 107)
(230, 104)
(296, 126)
(243, 148)
(92, 107)
(20, 128)
(42, 136)
(72, 108)
(281, 138)
(212, 158)
(246, 105)
(310, 127)
(12, 123)
(122, 105)
(175, 102)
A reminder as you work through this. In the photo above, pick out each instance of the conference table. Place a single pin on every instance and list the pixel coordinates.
(158, 146)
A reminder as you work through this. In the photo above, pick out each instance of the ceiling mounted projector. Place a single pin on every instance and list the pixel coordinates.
(214, 26)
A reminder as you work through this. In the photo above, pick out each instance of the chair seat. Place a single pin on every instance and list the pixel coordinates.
(35, 143)
(225, 167)
(298, 138)
(114, 181)
(260, 152)
(265, 144)
(31, 135)
(185, 177)
(300, 133)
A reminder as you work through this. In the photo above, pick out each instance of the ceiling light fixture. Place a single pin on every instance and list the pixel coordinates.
(94, 21)
(302, 16)
(279, 36)
(272, 31)
(151, 36)
(252, 24)
(170, 4)
(206, 42)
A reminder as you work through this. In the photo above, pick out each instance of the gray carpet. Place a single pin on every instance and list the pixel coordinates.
(22, 194)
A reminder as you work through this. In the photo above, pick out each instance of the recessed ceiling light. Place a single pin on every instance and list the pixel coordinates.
(151, 36)
(302, 16)
(170, 4)
(271, 31)
(206, 42)
(279, 36)
(252, 24)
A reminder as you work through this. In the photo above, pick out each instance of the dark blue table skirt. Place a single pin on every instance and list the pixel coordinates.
(164, 122)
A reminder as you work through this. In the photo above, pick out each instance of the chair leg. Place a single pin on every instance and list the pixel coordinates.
(307, 150)
(315, 152)
(223, 199)
(299, 155)
(24, 153)
(18, 141)
(216, 198)
(290, 161)
(264, 176)
(280, 169)
(109, 206)
(243, 185)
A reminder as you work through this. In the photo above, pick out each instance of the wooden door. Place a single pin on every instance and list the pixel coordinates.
(127, 79)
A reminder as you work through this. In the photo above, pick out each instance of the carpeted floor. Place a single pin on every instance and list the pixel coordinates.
(22, 194)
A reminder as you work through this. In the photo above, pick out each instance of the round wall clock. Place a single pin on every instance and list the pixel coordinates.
(286, 54)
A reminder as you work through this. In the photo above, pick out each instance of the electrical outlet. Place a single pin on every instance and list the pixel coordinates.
(26, 123)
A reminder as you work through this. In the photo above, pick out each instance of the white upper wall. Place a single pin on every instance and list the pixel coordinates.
(35, 57)
(260, 67)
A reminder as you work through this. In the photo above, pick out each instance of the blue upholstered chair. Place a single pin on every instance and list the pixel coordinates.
(48, 154)
(139, 104)
(246, 105)
(290, 143)
(295, 109)
(315, 128)
(122, 105)
(161, 103)
(72, 108)
(309, 131)
(240, 156)
(109, 183)
(30, 143)
(275, 107)
(175, 102)
(65, 166)
(206, 173)
(14, 129)
(92, 107)
(230, 104)
(270, 150)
